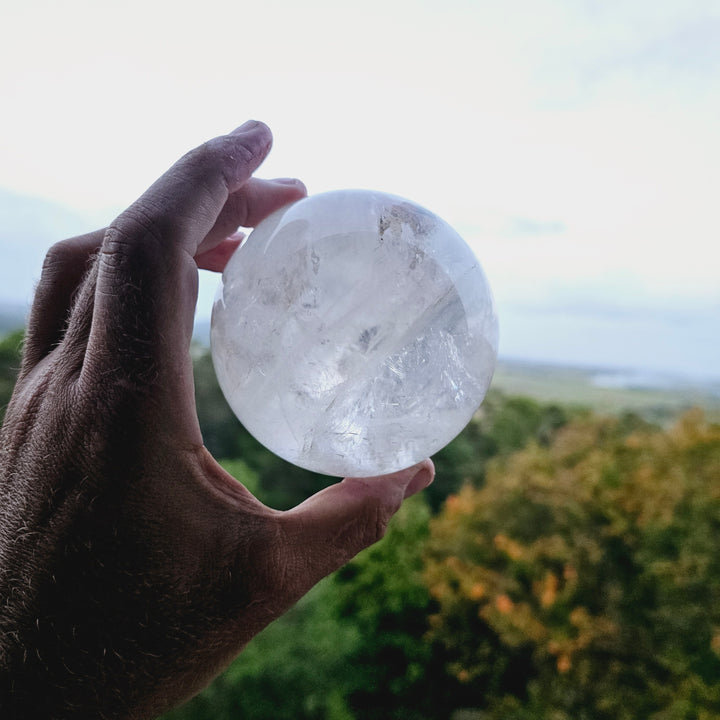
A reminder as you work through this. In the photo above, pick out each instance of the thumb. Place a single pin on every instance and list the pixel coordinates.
(331, 527)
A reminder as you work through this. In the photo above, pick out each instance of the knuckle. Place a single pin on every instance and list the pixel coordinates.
(133, 237)
(237, 207)
(135, 224)
(60, 256)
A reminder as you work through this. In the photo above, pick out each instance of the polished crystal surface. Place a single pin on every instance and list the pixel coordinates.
(354, 333)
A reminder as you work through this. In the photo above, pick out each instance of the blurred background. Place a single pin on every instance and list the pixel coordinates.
(564, 564)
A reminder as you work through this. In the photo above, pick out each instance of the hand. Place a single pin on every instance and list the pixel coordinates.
(133, 568)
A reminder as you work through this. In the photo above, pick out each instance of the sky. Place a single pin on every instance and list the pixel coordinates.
(573, 143)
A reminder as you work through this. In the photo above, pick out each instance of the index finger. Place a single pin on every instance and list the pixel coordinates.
(182, 206)
(146, 281)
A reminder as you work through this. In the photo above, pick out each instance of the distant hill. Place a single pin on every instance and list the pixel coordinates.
(655, 397)
(28, 227)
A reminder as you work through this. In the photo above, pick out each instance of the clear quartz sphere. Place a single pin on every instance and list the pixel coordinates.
(354, 333)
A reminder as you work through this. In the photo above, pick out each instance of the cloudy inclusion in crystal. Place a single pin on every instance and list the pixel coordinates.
(354, 333)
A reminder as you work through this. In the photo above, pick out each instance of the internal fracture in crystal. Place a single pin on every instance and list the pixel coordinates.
(354, 333)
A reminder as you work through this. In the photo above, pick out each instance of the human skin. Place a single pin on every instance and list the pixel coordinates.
(133, 568)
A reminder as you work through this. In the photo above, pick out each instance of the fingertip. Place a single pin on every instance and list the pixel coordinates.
(408, 481)
(254, 135)
(238, 154)
(294, 183)
(253, 127)
(424, 474)
(413, 479)
(218, 257)
(335, 524)
(262, 197)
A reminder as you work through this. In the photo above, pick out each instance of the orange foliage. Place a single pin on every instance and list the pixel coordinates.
(552, 550)
(504, 604)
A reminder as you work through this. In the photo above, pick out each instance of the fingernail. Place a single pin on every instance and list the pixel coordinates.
(251, 127)
(247, 126)
(421, 479)
(298, 185)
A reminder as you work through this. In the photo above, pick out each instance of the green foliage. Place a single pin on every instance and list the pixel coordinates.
(513, 421)
(240, 470)
(501, 426)
(288, 672)
(390, 670)
(10, 351)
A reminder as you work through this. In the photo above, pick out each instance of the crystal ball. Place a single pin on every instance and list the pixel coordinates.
(354, 333)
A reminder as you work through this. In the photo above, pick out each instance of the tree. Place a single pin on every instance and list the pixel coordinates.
(583, 579)
(501, 426)
(391, 672)
(287, 672)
